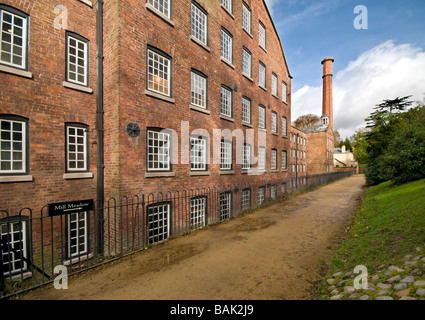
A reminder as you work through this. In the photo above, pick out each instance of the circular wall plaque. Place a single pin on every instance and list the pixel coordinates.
(132, 129)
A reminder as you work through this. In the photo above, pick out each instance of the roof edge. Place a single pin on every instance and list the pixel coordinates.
(280, 42)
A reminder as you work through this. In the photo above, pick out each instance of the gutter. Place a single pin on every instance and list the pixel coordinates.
(99, 124)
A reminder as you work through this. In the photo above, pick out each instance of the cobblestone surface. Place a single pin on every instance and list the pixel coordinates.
(402, 282)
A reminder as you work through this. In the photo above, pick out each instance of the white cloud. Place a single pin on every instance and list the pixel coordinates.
(384, 72)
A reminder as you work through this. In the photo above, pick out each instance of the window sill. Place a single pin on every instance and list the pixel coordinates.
(286, 137)
(159, 14)
(274, 171)
(249, 78)
(224, 173)
(17, 277)
(199, 173)
(247, 125)
(27, 178)
(275, 96)
(286, 102)
(229, 13)
(284, 170)
(275, 134)
(223, 117)
(78, 175)
(262, 130)
(77, 87)
(159, 174)
(16, 72)
(265, 50)
(199, 109)
(228, 63)
(265, 89)
(248, 33)
(84, 257)
(202, 45)
(87, 2)
(159, 96)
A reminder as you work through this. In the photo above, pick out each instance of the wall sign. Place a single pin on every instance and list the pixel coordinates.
(60, 208)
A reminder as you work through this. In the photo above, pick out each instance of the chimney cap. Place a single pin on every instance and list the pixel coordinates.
(328, 59)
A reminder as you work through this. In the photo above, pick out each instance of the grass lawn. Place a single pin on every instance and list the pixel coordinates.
(389, 225)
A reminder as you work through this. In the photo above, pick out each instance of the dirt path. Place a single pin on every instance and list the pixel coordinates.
(273, 253)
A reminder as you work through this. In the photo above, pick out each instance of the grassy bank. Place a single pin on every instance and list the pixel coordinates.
(389, 225)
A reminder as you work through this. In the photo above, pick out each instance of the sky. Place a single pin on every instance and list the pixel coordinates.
(379, 54)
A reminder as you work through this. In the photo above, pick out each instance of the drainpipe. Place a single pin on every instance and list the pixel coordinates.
(99, 123)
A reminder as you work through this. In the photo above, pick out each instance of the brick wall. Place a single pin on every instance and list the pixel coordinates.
(132, 27)
(48, 105)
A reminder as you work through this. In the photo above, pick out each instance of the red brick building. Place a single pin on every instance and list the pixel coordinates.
(166, 96)
(191, 65)
(320, 141)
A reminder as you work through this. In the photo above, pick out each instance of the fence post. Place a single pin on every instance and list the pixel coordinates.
(2, 283)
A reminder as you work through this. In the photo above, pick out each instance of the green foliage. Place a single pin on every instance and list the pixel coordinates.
(395, 143)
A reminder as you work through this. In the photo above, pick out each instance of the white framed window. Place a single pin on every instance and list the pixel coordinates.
(226, 101)
(262, 117)
(284, 92)
(261, 195)
(226, 155)
(284, 127)
(162, 6)
(246, 110)
(198, 153)
(246, 157)
(14, 233)
(246, 18)
(76, 148)
(274, 122)
(77, 59)
(228, 5)
(274, 85)
(284, 160)
(226, 46)
(77, 234)
(158, 150)
(159, 72)
(261, 75)
(261, 35)
(273, 192)
(13, 145)
(262, 159)
(283, 188)
(274, 159)
(158, 222)
(199, 23)
(198, 212)
(199, 89)
(13, 38)
(246, 63)
(246, 199)
(225, 205)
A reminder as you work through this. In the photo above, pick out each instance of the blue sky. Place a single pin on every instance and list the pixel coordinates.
(382, 62)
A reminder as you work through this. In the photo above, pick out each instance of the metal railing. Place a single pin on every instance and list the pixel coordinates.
(32, 245)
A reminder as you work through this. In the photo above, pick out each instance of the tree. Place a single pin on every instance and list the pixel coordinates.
(307, 122)
(337, 138)
(359, 143)
(395, 142)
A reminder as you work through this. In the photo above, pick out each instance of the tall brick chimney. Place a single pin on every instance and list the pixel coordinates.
(327, 90)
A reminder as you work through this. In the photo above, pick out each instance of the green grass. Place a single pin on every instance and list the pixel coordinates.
(389, 225)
